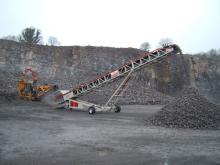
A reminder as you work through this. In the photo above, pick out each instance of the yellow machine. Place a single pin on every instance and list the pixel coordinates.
(27, 88)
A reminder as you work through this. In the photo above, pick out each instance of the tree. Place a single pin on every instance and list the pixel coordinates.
(212, 52)
(31, 35)
(145, 46)
(53, 41)
(165, 42)
(11, 38)
(218, 51)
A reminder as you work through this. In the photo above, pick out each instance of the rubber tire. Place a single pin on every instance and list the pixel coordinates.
(91, 110)
(117, 109)
(66, 105)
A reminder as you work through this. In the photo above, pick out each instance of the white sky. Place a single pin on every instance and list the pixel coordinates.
(192, 24)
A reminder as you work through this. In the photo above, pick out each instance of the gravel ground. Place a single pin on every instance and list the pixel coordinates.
(32, 133)
(190, 110)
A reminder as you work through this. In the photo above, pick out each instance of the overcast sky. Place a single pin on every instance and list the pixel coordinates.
(192, 24)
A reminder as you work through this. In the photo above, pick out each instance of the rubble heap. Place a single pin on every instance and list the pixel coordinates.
(135, 92)
(5, 97)
(8, 84)
(190, 110)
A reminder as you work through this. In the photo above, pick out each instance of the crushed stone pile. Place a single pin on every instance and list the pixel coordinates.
(8, 84)
(140, 92)
(8, 80)
(7, 97)
(136, 93)
(145, 96)
(190, 110)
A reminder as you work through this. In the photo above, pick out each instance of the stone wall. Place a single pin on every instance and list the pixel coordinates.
(71, 65)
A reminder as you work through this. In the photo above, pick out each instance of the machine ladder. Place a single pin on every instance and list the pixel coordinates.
(119, 91)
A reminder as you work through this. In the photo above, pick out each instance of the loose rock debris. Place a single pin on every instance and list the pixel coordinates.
(190, 110)
(7, 97)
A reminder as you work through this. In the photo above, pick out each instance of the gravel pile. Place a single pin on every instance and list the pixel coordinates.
(7, 97)
(190, 110)
(144, 96)
(8, 80)
(8, 84)
(135, 93)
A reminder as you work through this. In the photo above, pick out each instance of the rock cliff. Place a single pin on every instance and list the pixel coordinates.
(68, 66)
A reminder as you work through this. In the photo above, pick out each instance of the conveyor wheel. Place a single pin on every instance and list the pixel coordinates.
(117, 109)
(91, 110)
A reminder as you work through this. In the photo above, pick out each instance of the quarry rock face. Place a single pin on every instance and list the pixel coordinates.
(206, 76)
(71, 65)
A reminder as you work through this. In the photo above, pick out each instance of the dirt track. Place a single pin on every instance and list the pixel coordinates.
(31, 133)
